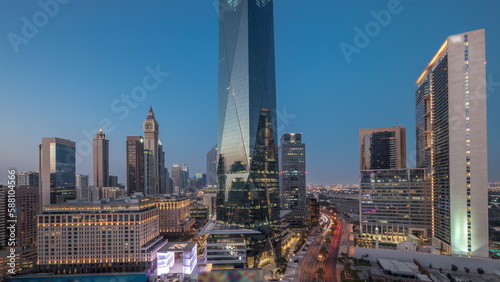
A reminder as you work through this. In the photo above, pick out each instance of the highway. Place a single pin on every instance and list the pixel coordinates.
(333, 252)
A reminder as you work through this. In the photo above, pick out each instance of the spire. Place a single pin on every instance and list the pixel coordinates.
(151, 114)
(100, 128)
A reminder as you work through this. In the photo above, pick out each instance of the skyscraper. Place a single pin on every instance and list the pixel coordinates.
(382, 148)
(212, 167)
(292, 165)
(30, 178)
(164, 183)
(101, 160)
(151, 142)
(176, 178)
(57, 170)
(451, 140)
(135, 164)
(248, 162)
(82, 187)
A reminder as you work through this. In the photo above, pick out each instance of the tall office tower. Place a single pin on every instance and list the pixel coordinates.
(57, 170)
(292, 165)
(177, 178)
(82, 186)
(148, 172)
(113, 181)
(175, 219)
(451, 135)
(185, 176)
(201, 180)
(151, 142)
(248, 159)
(395, 203)
(101, 160)
(72, 239)
(135, 164)
(212, 167)
(162, 169)
(28, 205)
(382, 148)
(31, 178)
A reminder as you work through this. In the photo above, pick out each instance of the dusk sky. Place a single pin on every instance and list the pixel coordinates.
(66, 70)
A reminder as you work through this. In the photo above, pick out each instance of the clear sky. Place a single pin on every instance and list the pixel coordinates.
(65, 67)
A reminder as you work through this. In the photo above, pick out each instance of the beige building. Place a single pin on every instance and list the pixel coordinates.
(452, 142)
(113, 236)
(100, 146)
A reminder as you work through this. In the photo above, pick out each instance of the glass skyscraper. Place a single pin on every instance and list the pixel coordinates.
(247, 165)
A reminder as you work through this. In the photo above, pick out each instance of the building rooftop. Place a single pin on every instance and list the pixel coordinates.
(215, 227)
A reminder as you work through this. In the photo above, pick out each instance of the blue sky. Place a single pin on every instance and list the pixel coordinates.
(67, 73)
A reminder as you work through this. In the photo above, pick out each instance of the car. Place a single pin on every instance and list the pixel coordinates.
(296, 261)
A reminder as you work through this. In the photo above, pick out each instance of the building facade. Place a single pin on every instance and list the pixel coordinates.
(101, 160)
(112, 236)
(382, 148)
(247, 167)
(176, 178)
(395, 203)
(151, 142)
(292, 168)
(212, 167)
(135, 164)
(175, 219)
(30, 178)
(57, 171)
(452, 142)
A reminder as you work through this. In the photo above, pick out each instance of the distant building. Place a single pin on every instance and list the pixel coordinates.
(382, 148)
(395, 203)
(149, 172)
(452, 143)
(57, 171)
(185, 176)
(112, 236)
(175, 219)
(5, 260)
(177, 178)
(30, 178)
(101, 160)
(314, 211)
(28, 205)
(112, 192)
(201, 180)
(82, 186)
(212, 167)
(135, 164)
(164, 176)
(151, 143)
(292, 177)
(199, 212)
(113, 181)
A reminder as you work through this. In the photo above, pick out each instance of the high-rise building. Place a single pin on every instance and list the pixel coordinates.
(177, 178)
(212, 167)
(174, 215)
(101, 160)
(382, 148)
(201, 180)
(120, 235)
(151, 142)
(31, 178)
(395, 203)
(149, 167)
(28, 205)
(185, 176)
(292, 165)
(57, 171)
(248, 159)
(113, 181)
(451, 141)
(82, 186)
(164, 183)
(135, 164)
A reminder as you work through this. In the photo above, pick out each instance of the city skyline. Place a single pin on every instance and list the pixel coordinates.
(187, 112)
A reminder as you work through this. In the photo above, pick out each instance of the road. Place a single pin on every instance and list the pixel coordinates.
(333, 252)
